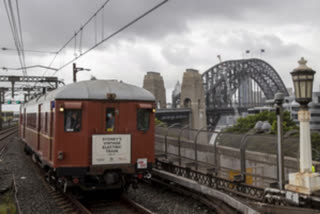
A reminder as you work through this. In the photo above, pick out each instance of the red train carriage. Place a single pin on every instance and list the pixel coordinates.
(92, 134)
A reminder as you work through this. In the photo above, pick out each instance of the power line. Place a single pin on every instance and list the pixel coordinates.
(80, 30)
(28, 67)
(16, 30)
(111, 35)
(20, 30)
(27, 50)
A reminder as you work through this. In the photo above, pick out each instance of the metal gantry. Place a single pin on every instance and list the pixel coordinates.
(29, 79)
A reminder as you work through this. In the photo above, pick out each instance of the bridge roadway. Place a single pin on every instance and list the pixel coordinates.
(182, 115)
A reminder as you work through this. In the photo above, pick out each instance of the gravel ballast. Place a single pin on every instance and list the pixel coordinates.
(162, 200)
(32, 195)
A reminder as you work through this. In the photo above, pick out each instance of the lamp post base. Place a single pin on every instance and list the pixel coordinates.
(305, 183)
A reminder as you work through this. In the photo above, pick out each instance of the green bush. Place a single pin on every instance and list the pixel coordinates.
(246, 123)
(159, 122)
(243, 125)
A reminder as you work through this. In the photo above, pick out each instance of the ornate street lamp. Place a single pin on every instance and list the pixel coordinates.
(303, 82)
(302, 78)
(304, 181)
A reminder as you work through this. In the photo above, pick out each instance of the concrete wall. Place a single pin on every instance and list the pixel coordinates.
(153, 82)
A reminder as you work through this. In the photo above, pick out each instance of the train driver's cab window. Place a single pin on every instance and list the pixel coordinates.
(72, 120)
(110, 123)
(143, 119)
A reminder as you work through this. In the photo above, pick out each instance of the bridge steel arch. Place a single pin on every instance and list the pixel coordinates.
(221, 81)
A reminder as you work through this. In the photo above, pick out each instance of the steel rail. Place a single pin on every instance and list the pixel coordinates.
(7, 130)
(78, 207)
(212, 203)
(72, 205)
(4, 135)
(77, 204)
(136, 206)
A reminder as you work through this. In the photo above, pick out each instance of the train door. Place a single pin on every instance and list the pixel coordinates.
(24, 123)
(39, 127)
(111, 118)
(51, 130)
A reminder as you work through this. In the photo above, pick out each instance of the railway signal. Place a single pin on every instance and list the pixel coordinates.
(76, 70)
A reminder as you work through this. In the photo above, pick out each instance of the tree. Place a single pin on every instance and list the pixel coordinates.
(246, 123)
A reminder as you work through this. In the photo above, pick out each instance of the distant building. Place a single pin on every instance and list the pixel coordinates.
(176, 92)
(292, 106)
(290, 91)
(314, 108)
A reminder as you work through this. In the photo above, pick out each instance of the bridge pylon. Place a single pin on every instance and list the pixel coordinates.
(153, 82)
(193, 97)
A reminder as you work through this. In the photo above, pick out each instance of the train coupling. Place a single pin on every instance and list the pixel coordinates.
(147, 176)
(144, 175)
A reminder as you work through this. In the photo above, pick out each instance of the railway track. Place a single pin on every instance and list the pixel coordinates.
(66, 201)
(210, 202)
(4, 134)
(70, 204)
(124, 205)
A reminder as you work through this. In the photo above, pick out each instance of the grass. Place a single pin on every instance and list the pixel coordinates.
(7, 203)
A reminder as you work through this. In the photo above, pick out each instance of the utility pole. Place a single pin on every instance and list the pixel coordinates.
(75, 71)
(1, 110)
(279, 98)
(2, 91)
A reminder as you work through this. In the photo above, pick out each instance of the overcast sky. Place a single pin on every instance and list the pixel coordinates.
(179, 35)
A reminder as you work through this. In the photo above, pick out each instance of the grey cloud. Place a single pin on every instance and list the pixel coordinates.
(48, 24)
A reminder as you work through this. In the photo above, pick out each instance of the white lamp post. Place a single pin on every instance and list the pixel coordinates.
(304, 181)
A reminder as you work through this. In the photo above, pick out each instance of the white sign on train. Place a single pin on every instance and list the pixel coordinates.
(111, 149)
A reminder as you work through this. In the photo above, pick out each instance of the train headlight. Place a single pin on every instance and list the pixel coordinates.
(142, 163)
(60, 155)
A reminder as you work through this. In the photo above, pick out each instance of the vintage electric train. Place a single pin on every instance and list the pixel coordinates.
(96, 134)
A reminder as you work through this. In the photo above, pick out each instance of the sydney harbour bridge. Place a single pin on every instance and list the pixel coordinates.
(232, 87)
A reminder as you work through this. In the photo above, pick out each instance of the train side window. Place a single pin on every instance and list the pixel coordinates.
(46, 123)
(72, 120)
(143, 119)
(110, 123)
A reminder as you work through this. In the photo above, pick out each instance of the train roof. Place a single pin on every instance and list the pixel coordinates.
(97, 90)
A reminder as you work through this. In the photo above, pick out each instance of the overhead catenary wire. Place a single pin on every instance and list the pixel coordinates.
(81, 29)
(13, 30)
(113, 34)
(27, 50)
(20, 32)
(80, 42)
(102, 23)
(16, 30)
(95, 30)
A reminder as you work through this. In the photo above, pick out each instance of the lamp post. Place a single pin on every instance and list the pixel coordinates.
(304, 181)
(279, 98)
(303, 83)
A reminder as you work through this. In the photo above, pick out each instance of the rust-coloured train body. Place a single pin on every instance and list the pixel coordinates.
(91, 134)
